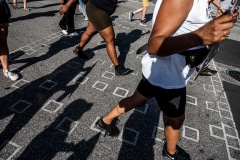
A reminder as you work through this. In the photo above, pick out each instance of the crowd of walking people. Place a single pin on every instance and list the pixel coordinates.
(188, 29)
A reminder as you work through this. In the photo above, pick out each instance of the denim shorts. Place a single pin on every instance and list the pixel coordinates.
(172, 102)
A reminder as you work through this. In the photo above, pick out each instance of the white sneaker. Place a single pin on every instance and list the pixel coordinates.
(65, 32)
(11, 75)
(86, 18)
(73, 34)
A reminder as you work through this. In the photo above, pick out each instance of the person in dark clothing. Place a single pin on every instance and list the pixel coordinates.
(67, 21)
(99, 22)
(4, 52)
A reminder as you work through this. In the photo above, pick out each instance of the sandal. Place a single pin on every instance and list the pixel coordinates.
(15, 6)
(27, 9)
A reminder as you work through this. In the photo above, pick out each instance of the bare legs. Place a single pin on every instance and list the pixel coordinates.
(172, 132)
(4, 52)
(172, 129)
(143, 10)
(24, 5)
(124, 106)
(108, 36)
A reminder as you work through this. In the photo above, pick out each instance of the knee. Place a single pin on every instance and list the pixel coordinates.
(90, 34)
(176, 123)
(109, 40)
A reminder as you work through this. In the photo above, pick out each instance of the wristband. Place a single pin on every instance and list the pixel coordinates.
(221, 8)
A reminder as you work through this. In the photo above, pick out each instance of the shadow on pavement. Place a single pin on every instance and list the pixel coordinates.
(229, 53)
(23, 103)
(52, 140)
(138, 133)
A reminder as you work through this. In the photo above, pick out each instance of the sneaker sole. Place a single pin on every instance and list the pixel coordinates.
(166, 158)
(104, 130)
(100, 128)
(130, 17)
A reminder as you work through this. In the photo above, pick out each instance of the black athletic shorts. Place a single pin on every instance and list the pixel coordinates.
(171, 101)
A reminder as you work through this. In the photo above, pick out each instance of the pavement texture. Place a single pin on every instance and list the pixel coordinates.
(49, 113)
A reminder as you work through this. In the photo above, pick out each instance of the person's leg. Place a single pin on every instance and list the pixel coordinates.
(70, 22)
(85, 38)
(144, 11)
(138, 10)
(63, 23)
(131, 14)
(15, 4)
(25, 6)
(108, 36)
(143, 93)
(172, 103)
(124, 106)
(87, 35)
(172, 132)
(4, 52)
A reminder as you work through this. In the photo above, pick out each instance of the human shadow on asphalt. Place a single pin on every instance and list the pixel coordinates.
(63, 43)
(35, 15)
(22, 104)
(52, 140)
(230, 57)
(124, 41)
(139, 133)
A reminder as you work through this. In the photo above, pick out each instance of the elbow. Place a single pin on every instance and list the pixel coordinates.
(151, 50)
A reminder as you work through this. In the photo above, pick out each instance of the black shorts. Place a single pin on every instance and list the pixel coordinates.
(172, 102)
(99, 18)
(3, 19)
(5, 13)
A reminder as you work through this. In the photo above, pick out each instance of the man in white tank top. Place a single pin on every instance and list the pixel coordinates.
(177, 26)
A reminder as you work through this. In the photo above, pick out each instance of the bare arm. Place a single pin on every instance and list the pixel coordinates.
(61, 1)
(161, 42)
(218, 5)
(63, 9)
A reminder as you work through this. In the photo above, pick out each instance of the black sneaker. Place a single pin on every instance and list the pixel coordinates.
(110, 129)
(130, 15)
(180, 154)
(120, 70)
(143, 22)
(207, 72)
(79, 53)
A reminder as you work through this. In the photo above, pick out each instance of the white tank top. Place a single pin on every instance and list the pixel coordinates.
(171, 72)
